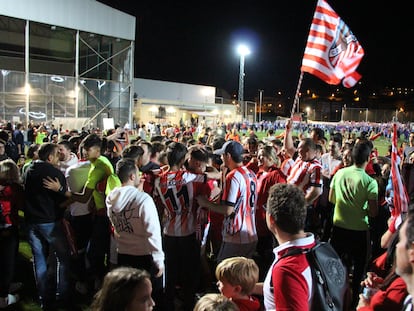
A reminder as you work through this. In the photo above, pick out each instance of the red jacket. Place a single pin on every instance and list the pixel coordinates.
(274, 176)
(390, 299)
(251, 304)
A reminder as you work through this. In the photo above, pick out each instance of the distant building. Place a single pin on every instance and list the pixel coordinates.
(170, 102)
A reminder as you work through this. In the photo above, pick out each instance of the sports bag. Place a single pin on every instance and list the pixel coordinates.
(329, 275)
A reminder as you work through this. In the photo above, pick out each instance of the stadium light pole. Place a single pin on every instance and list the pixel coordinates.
(260, 104)
(243, 50)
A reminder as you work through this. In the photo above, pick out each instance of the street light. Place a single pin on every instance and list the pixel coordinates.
(260, 105)
(243, 50)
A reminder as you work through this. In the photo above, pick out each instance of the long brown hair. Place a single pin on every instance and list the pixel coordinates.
(9, 172)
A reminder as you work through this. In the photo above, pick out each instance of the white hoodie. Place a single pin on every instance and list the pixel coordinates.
(135, 219)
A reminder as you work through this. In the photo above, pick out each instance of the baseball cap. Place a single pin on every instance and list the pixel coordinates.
(234, 148)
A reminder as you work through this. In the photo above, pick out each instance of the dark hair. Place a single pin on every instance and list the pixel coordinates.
(75, 142)
(92, 140)
(66, 143)
(155, 138)
(360, 153)
(252, 141)
(157, 147)
(162, 158)
(110, 145)
(218, 143)
(319, 147)
(65, 137)
(310, 143)
(199, 153)
(118, 289)
(337, 137)
(132, 152)
(216, 159)
(9, 172)
(31, 150)
(319, 132)
(286, 205)
(124, 168)
(45, 150)
(191, 142)
(4, 135)
(176, 153)
(146, 143)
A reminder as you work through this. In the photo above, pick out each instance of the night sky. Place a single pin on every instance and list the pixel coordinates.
(195, 42)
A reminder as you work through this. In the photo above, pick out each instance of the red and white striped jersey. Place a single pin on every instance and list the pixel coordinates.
(177, 196)
(286, 166)
(240, 192)
(306, 174)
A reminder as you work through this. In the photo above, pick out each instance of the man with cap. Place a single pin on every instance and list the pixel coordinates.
(237, 204)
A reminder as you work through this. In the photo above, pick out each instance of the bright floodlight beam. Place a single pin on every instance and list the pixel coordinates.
(243, 50)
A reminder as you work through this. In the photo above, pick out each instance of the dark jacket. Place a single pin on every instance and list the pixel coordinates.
(42, 205)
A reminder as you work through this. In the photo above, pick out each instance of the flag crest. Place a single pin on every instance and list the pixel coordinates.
(332, 52)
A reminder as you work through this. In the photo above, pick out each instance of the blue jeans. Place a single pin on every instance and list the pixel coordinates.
(48, 242)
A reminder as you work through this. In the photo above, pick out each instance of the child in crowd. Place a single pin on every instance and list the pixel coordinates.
(215, 302)
(237, 277)
(124, 288)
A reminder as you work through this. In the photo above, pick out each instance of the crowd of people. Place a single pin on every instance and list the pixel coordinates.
(179, 220)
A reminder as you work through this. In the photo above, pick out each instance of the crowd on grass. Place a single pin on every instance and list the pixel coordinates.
(196, 218)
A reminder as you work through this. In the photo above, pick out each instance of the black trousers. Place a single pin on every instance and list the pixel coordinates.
(354, 248)
(182, 265)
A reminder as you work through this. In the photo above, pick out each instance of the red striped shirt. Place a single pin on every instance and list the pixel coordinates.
(178, 199)
(241, 193)
(306, 174)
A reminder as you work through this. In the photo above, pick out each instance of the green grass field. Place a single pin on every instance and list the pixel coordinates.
(381, 143)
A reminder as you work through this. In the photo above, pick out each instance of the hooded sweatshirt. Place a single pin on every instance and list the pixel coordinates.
(135, 219)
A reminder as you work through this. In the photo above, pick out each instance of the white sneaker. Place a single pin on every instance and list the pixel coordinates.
(9, 300)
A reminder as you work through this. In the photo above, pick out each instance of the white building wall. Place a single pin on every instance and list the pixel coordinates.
(178, 94)
(181, 100)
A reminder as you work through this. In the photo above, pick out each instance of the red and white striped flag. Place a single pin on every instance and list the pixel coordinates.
(332, 52)
(400, 193)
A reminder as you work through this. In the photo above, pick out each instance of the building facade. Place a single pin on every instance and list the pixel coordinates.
(65, 61)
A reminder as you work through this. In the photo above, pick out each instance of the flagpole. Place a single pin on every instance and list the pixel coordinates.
(296, 100)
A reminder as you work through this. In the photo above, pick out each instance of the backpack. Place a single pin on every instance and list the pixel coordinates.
(329, 275)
